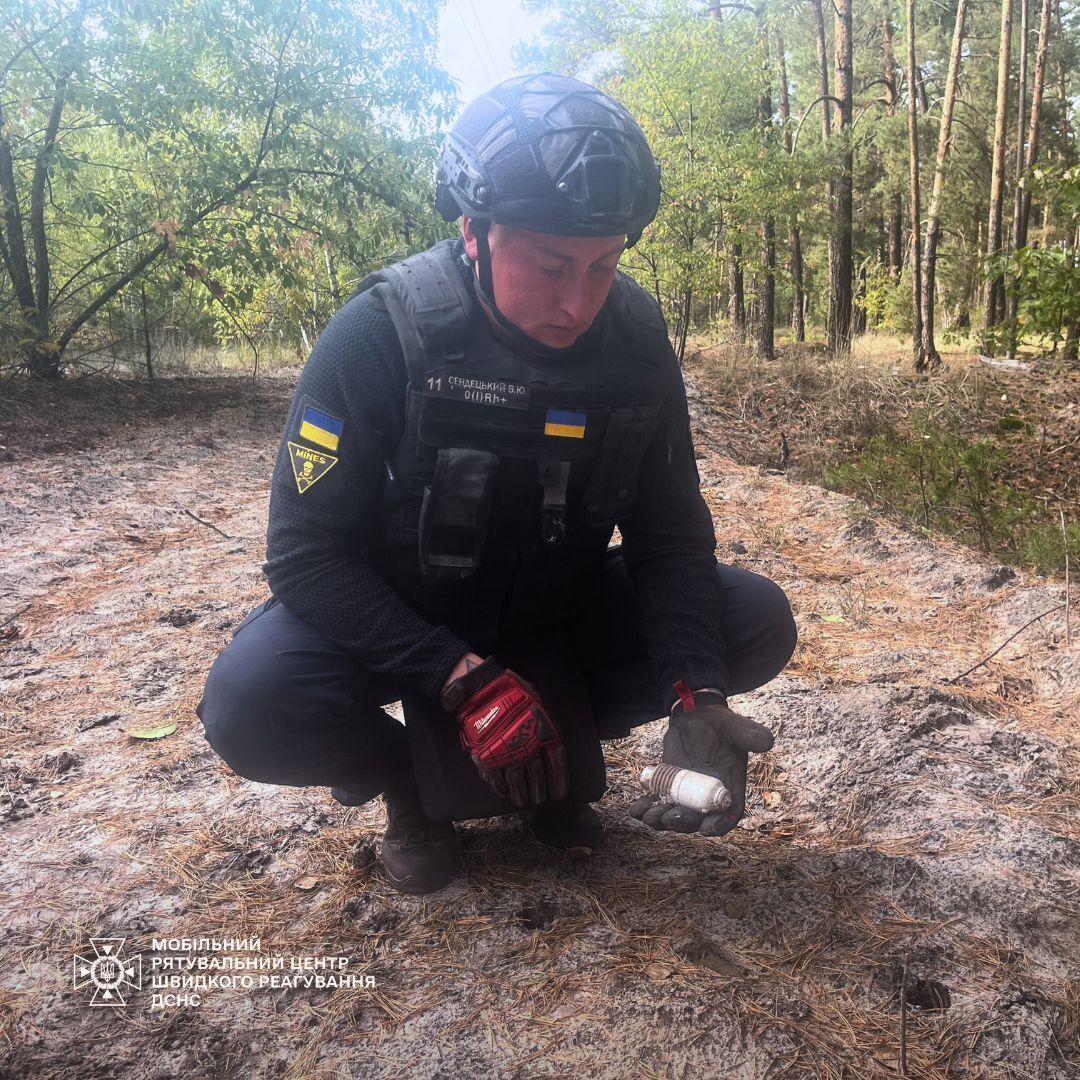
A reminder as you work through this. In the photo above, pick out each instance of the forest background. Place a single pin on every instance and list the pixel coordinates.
(850, 194)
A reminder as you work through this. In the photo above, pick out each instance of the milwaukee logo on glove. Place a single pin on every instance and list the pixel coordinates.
(486, 719)
(507, 732)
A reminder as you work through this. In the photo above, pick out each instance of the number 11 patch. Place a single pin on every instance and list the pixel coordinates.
(308, 466)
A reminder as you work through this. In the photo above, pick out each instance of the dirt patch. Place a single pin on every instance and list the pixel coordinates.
(912, 846)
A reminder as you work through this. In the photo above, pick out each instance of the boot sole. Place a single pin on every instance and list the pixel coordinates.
(414, 885)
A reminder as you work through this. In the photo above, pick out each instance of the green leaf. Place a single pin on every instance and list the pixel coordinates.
(154, 732)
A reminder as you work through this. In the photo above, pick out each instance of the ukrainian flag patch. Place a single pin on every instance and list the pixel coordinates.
(320, 428)
(570, 425)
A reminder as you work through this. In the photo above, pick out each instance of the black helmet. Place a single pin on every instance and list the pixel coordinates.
(550, 154)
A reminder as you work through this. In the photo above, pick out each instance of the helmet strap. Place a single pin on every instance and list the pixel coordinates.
(485, 291)
(483, 264)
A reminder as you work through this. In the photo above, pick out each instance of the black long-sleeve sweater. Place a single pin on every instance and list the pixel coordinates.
(320, 539)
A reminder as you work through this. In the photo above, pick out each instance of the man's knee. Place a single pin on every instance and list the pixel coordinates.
(283, 706)
(237, 712)
(783, 635)
(760, 629)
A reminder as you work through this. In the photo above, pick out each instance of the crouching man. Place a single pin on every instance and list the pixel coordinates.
(469, 430)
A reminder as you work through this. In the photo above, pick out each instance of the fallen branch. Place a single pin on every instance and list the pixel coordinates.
(206, 523)
(974, 667)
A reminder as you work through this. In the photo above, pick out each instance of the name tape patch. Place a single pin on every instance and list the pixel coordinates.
(500, 392)
(309, 465)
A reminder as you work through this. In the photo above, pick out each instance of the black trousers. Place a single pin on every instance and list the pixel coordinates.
(283, 705)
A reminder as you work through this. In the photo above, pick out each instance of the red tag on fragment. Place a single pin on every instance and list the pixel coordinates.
(686, 695)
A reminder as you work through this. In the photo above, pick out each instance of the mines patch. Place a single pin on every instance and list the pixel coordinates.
(309, 465)
(570, 425)
(320, 428)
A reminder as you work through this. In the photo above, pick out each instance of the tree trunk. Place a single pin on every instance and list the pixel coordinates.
(973, 294)
(147, 346)
(35, 295)
(1070, 351)
(826, 128)
(1026, 158)
(896, 200)
(823, 66)
(841, 268)
(765, 345)
(796, 264)
(736, 298)
(916, 223)
(798, 299)
(43, 361)
(1035, 121)
(860, 302)
(823, 69)
(1063, 97)
(994, 307)
(1021, 115)
(1021, 108)
(896, 236)
(933, 226)
(332, 278)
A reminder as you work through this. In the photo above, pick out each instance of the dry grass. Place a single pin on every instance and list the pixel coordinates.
(773, 936)
(808, 413)
(822, 405)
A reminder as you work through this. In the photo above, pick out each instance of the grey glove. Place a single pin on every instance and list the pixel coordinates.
(707, 738)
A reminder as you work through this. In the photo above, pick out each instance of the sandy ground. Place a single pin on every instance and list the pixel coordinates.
(906, 890)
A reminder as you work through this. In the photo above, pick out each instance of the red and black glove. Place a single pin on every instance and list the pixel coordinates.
(507, 732)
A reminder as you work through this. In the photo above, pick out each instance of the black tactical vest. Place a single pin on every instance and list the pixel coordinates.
(513, 469)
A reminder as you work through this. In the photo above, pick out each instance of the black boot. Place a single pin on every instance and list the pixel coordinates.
(418, 855)
(348, 797)
(559, 825)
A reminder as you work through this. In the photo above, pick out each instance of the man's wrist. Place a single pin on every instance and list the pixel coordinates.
(687, 699)
(469, 661)
(476, 672)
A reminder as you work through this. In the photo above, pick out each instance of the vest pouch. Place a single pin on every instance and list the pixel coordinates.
(455, 511)
(612, 488)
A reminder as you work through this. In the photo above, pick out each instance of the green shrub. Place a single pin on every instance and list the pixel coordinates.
(1045, 546)
(940, 481)
(888, 300)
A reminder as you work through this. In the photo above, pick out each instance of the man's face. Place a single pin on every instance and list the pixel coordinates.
(549, 287)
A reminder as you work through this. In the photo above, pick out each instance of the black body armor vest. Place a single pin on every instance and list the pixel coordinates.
(513, 469)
